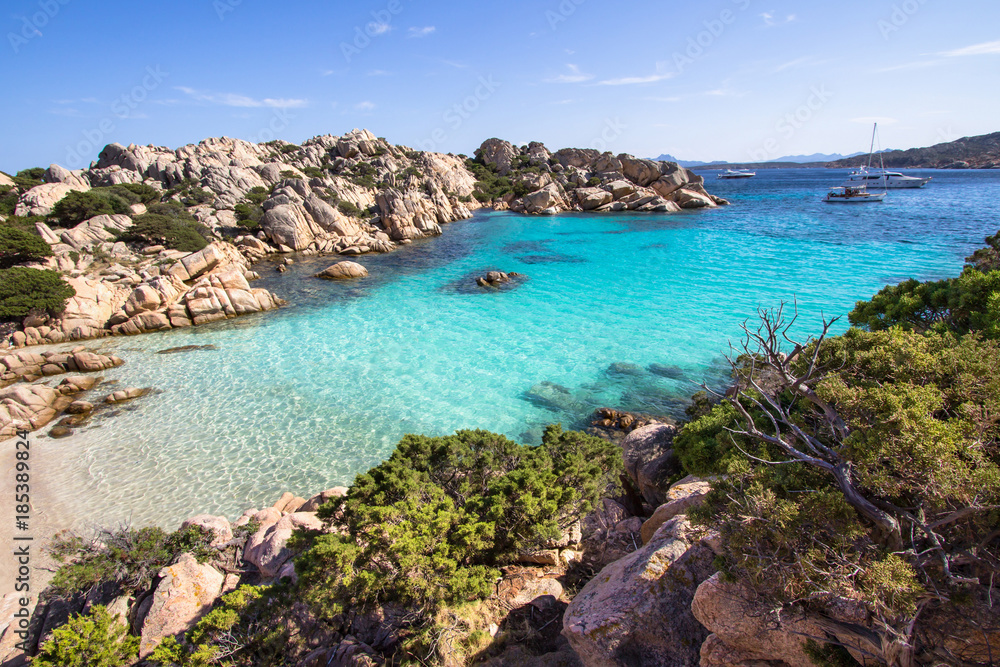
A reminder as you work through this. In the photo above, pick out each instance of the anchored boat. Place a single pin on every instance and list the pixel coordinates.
(737, 173)
(858, 194)
(887, 180)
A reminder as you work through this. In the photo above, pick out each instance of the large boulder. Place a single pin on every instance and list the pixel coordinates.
(683, 495)
(591, 198)
(57, 174)
(650, 461)
(637, 610)
(551, 196)
(641, 172)
(343, 271)
(266, 548)
(40, 199)
(219, 526)
(99, 229)
(185, 592)
(689, 198)
(745, 630)
(290, 225)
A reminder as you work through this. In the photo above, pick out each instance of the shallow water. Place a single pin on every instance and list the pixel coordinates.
(305, 398)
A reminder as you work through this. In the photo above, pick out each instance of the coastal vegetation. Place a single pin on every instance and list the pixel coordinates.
(168, 223)
(866, 467)
(23, 290)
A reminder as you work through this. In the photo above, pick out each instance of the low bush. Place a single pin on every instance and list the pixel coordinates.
(313, 172)
(127, 556)
(349, 209)
(432, 524)
(147, 194)
(23, 290)
(168, 223)
(8, 200)
(248, 215)
(97, 639)
(290, 148)
(29, 178)
(18, 246)
(77, 206)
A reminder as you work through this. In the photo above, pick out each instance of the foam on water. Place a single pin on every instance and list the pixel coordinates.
(307, 397)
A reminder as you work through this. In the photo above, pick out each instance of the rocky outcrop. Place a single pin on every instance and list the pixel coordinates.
(31, 406)
(185, 592)
(636, 611)
(499, 154)
(410, 215)
(575, 179)
(266, 548)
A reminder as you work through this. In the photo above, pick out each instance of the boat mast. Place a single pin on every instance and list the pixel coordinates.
(881, 161)
(872, 149)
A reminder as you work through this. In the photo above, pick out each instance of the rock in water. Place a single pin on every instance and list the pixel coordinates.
(344, 271)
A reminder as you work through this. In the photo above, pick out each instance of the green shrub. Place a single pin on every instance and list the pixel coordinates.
(77, 207)
(147, 194)
(95, 640)
(23, 290)
(248, 625)
(128, 556)
(248, 215)
(349, 209)
(258, 195)
(29, 178)
(594, 182)
(197, 195)
(168, 223)
(289, 174)
(18, 246)
(313, 172)
(8, 200)
(433, 523)
(290, 148)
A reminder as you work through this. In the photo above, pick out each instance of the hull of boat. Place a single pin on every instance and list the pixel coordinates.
(857, 199)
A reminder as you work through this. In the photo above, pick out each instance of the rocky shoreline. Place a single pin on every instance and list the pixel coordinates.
(348, 195)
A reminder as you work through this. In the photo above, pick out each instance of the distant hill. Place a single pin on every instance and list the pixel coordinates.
(981, 152)
(666, 157)
(815, 157)
(783, 161)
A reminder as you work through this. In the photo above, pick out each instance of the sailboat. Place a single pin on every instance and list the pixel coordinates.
(858, 194)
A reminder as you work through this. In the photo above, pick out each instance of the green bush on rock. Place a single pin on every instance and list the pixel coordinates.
(77, 206)
(169, 224)
(432, 524)
(129, 557)
(18, 246)
(866, 467)
(97, 639)
(23, 290)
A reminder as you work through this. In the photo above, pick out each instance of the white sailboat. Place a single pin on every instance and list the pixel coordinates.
(858, 194)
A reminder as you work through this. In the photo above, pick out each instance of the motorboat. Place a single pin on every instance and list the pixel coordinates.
(737, 173)
(852, 195)
(880, 178)
(858, 193)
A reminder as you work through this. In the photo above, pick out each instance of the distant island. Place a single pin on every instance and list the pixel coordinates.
(979, 152)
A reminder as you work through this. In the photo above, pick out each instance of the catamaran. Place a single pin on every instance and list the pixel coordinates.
(858, 194)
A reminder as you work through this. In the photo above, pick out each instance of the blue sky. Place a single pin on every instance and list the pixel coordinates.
(723, 79)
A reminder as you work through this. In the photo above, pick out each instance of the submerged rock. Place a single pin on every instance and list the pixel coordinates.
(343, 271)
(187, 348)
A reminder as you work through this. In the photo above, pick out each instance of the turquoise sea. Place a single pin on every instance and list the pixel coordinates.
(305, 398)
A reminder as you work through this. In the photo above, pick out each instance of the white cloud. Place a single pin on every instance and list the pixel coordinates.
(365, 106)
(986, 48)
(378, 28)
(422, 32)
(771, 20)
(632, 80)
(881, 120)
(574, 76)
(235, 100)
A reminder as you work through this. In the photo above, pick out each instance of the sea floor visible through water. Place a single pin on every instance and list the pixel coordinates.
(629, 311)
